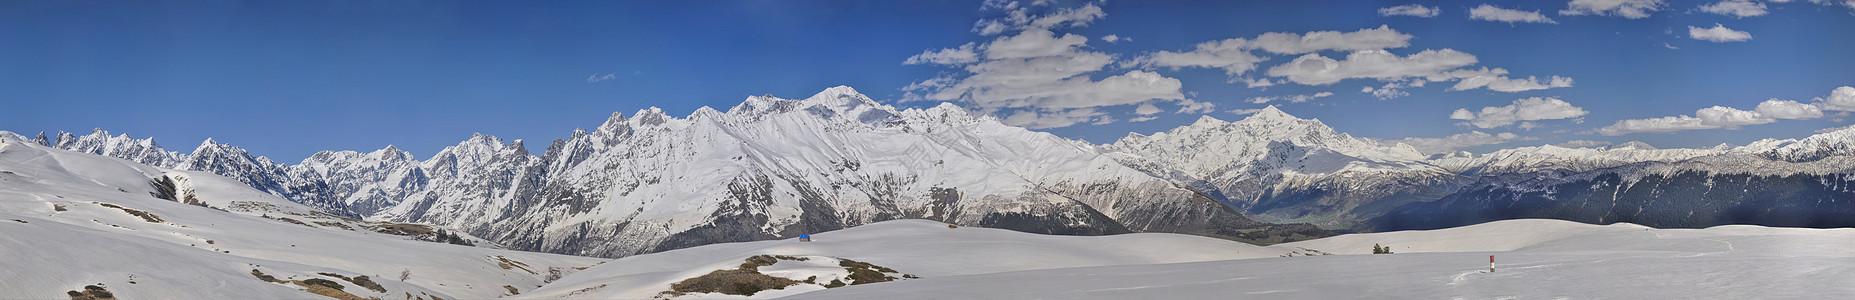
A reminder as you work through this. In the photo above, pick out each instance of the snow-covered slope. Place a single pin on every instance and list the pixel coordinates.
(1536, 259)
(70, 220)
(923, 248)
(1285, 168)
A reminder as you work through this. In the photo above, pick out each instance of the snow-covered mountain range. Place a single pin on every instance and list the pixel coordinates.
(767, 168)
(772, 168)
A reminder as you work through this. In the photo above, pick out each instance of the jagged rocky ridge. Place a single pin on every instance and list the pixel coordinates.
(767, 168)
(1283, 169)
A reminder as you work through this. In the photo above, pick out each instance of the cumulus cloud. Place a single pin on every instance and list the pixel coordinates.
(1718, 34)
(1412, 10)
(1458, 141)
(1018, 18)
(1034, 43)
(1834, 129)
(1235, 55)
(1314, 69)
(1840, 99)
(1232, 55)
(1525, 109)
(1114, 38)
(1496, 79)
(1787, 109)
(946, 56)
(1581, 143)
(1147, 109)
(1487, 12)
(1771, 110)
(1382, 37)
(1290, 98)
(1188, 106)
(1034, 119)
(1633, 9)
(1654, 125)
(1730, 118)
(1038, 78)
(1735, 8)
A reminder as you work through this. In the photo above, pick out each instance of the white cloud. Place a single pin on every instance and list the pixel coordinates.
(1735, 8)
(1246, 111)
(1654, 125)
(1188, 106)
(1290, 98)
(1670, 47)
(1147, 109)
(1115, 38)
(1718, 34)
(1033, 43)
(1496, 80)
(1525, 109)
(1235, 55)
(1834, 129)
(1018, 19)
(1487, 12)
(1232, 55)
(1052, 119)
(1314, 69)
(1412, 10)
(596, 77)
(1787, 109)
(1581, 143)
(1730, 118)
(1143, 119)
(1036, 77)
(1771, 110)
(1841, 99)
(1382, 37)
(946, 56)
(1634, 9)
(1457, 141)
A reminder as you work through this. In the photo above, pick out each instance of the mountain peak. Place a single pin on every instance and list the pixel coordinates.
(1271, 113)
(614, 124)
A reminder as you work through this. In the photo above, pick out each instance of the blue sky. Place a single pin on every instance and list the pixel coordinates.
(287, 78)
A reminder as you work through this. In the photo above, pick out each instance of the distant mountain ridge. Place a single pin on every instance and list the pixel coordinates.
(772, 167)
(767, 168)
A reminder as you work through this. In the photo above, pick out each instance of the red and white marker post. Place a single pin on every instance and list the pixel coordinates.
(1490, 264)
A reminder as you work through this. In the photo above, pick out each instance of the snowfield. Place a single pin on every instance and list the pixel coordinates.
(922, 248)
(1535, 259)
(70, 220)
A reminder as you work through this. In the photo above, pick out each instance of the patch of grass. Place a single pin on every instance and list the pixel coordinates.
(862, 272)
(404, 229)
(368, 283)
(151, 218)
(266, 277)
(293, 221)
(91, 292)
(754, 263)
(328, 289)
(512, 290)
(733, 282)
(510, 264)
(20, 221)
(58, 207)
(334, 224)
